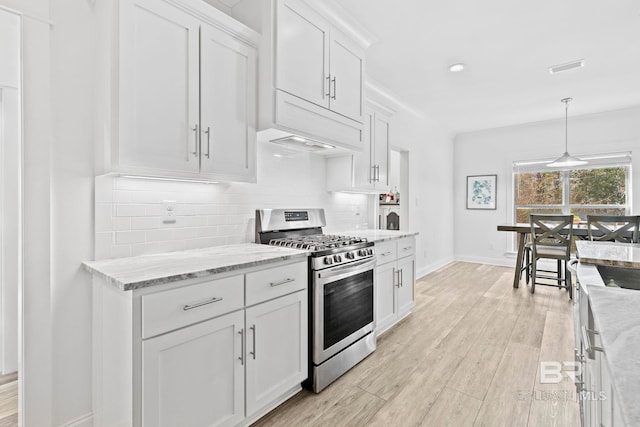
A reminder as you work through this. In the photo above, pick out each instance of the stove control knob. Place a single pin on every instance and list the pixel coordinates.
(350, 255)
(369, 251)
(362, 252)
(328, 260)
(337, 258)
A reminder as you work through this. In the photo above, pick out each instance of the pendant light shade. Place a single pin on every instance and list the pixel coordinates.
(566, 160)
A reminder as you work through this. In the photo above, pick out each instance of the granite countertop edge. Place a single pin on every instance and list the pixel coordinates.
(615, 315)
(612, 254)
(147, 279)
(375, 235)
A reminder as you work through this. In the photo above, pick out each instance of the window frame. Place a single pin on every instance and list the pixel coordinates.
(599, 161)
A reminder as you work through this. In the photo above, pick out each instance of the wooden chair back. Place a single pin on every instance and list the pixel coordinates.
(552, 231)
(614, 228)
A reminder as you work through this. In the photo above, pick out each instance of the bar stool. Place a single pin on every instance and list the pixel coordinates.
(551, 237)
(614, 228)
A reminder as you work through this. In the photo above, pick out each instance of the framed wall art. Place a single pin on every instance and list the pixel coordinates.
(481, 191)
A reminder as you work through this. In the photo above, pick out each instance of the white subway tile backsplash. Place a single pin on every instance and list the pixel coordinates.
(129, 211)
(158, 235)
(145, 223)
(128, 237)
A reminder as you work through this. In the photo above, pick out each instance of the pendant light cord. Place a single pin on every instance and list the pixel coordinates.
(566, 124)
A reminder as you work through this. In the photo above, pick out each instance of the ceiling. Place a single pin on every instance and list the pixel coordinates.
(508, 47)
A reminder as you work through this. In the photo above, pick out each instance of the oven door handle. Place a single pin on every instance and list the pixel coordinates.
(354, 268)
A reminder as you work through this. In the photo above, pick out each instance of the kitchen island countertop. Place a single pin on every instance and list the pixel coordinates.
(149, 270)
(615, 312)
(613, 254)
(374, 235)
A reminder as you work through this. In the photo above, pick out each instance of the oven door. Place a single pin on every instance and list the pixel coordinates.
(342, 307)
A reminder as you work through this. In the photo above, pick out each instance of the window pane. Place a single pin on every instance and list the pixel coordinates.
(522, 214)
(605, 186)
(583, 212)
(538, 188)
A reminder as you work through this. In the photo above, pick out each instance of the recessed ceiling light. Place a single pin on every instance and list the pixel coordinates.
(456, 68)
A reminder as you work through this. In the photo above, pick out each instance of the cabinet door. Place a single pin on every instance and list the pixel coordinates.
(381, 149)
(277, 348)
(228, 77)
(302, 52)
(363, 162)
(405, 290)
(158, 88)
(346, 70)
(385, 296)
(194, 376)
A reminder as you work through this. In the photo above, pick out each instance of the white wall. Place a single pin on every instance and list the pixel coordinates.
(494, 151)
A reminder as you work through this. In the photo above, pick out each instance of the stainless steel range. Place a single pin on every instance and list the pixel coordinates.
(341, 272)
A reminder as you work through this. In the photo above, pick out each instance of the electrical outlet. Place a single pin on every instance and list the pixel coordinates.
(168, 211)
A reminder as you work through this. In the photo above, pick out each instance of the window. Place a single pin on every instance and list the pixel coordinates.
(601, 187)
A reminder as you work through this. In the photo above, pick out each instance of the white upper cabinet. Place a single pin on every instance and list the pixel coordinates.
(302, 43)
(367, 171)
(187, 95)
(311, 71)
(228, 105)
(159, 91)
(346, 77)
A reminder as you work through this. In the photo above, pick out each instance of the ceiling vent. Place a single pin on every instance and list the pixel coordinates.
(565, 67)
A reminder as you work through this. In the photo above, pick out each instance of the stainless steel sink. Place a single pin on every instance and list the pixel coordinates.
(619, 277)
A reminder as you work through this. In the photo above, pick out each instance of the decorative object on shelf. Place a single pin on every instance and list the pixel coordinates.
(481, 191)
(566, 160)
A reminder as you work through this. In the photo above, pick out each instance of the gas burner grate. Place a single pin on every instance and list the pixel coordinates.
(317, 242)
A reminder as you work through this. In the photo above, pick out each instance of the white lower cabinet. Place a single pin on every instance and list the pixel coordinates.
(276, 348)
(212, 352)
(195, 376)
(395, 280)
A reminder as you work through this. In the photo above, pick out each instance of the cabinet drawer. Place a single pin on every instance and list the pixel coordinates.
(406, 247)
(386, 252)
(165, 311)
(274, 282)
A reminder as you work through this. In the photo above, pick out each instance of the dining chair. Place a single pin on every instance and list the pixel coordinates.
(551, 237)
(614, 228)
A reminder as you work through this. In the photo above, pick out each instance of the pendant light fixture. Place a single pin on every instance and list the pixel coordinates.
(566, 160)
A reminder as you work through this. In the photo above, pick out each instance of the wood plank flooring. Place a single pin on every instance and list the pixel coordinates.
(468, 355)
(9, 400)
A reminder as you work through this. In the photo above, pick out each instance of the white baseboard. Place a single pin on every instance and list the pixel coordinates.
(85, 420)
(504, 262)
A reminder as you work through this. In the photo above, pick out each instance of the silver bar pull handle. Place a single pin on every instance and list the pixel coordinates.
(208, 132)
(385, 253)
(195, 131)
(241, 332)
(401, 278)
(253, 353)
(372, 175)
(200, 304)
(406, 248)
(396, 277)
(327, 86)
(334, 88)
(377, 173)
(282, 282)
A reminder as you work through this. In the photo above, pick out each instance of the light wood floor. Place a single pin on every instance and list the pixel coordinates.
(468, 355)
(9, 400)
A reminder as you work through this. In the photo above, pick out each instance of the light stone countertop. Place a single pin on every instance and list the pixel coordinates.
(617, 319)
(149, 270)
(374, 235)
(609, 253)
